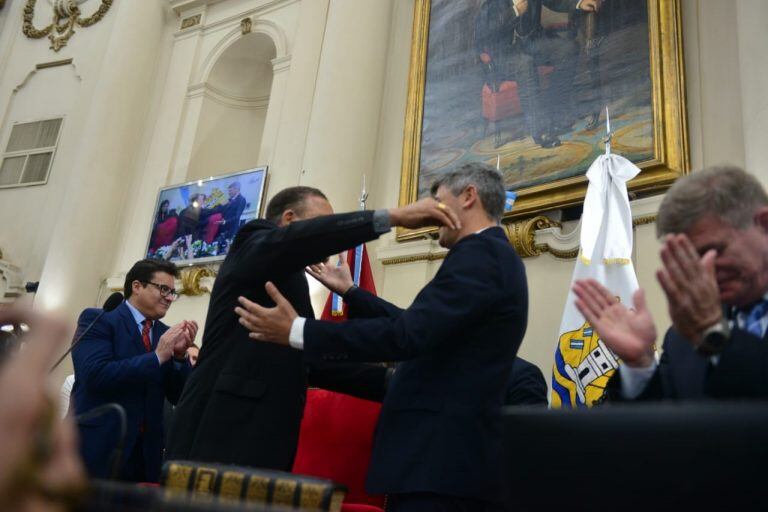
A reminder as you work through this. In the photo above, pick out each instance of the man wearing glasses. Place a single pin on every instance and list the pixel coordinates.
(131, 358)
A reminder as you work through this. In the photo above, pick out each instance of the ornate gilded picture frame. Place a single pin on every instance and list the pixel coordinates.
(527, 93)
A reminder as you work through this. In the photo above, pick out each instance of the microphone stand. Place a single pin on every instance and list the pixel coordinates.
(77, 340)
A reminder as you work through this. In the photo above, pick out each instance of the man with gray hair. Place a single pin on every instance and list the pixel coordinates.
(438, 441)
(715, 277)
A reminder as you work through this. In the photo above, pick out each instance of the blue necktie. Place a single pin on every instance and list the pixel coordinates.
(754, 317)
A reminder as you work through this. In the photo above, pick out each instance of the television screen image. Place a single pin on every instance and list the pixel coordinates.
(196, 222)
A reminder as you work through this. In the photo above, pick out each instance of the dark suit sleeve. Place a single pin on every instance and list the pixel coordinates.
(302, 243)
(96, 367)
(526, 385)
(464, 288)
(367, 381)
(742, 371)
(363, 304)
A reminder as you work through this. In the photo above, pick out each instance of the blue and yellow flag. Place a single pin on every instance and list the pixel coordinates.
(583, 363)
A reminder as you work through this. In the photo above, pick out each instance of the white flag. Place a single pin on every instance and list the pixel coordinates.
(583, 364)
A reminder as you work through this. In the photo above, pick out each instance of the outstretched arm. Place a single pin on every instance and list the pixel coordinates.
(338, 279)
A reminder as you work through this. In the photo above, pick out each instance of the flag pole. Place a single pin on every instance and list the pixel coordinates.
(337, 303)
(608, 133)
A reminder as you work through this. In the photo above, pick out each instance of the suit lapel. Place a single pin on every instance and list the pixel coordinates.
(131, 328)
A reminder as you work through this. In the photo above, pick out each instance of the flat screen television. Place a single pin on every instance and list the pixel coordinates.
(196, 222)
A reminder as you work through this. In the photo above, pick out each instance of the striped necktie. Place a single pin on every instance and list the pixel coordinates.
(146, 326)
(754, 324)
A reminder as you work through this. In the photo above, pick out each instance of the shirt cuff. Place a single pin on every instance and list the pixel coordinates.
(381, 222)
(634, 380)
(296, 337)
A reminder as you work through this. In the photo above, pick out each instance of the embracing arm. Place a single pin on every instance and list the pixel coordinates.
(463, 290)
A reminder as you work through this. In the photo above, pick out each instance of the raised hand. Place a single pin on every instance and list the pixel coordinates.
(424, 212)
(337, 278)
(690, 285)
(184, 342)
(172, 341)
(631, 334)
(590, 5)
(268, 324)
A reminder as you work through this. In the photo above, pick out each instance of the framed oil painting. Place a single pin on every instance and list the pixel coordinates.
(525, 88)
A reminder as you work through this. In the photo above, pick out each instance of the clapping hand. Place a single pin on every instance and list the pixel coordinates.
(631, 334)
(176, 340)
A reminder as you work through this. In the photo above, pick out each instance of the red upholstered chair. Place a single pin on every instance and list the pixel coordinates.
(212, 227)
(505, 102)
(165, 232)
(335, 443)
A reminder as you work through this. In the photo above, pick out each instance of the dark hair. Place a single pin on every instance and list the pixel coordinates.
(160, 215)
(144, 270)
(291, 198)
(487, 180)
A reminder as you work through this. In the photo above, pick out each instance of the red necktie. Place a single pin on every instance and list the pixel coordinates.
(147, 325)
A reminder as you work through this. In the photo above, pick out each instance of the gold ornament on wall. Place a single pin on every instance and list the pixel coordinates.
(246, 26)
(190, 281)
(66, 16)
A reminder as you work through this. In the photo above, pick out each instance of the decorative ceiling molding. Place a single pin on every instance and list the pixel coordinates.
(228, 99)
(66, 16)
(183, 6)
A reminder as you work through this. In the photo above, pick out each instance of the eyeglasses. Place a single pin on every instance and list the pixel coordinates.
(168, 293)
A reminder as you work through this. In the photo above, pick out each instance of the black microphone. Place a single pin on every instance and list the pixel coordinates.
(111, 303)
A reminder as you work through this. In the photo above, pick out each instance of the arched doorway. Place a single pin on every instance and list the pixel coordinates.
(234, 110)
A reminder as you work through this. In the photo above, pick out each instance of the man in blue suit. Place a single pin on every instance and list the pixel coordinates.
(131, 358)
(438, 441)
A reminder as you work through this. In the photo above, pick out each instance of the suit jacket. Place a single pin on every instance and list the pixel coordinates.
(112, 365)
(244, 402)
(440, 425)
(684, 374)
(231, 211)
(526, 385)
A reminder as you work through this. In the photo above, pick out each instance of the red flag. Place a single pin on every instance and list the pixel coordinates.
(336, 434)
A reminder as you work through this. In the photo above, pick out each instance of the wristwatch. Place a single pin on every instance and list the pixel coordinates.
(715, 338)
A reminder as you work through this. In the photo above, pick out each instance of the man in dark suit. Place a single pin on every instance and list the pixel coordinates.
(244, 402)
(231, 210)
(438, 441)
(512, 43)
(715, 278)
(526, 385)
(131, 358)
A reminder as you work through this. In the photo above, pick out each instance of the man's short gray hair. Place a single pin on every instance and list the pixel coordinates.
(487, 181)
(724, 192)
